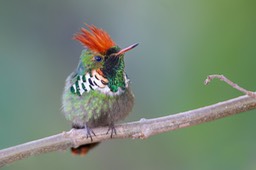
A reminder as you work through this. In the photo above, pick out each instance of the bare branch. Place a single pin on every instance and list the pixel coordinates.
(229, 82)
(140, 129)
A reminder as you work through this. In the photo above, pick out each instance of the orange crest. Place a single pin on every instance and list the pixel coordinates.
(96, 39)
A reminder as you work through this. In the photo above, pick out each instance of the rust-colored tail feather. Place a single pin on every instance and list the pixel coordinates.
(83, 149)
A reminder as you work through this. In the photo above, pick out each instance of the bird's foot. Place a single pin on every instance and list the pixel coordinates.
(112, 130)
(89, 132)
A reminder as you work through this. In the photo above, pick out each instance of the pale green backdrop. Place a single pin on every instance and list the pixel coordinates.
(181, 42)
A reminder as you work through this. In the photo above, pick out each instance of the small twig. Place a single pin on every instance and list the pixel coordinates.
(229, 82)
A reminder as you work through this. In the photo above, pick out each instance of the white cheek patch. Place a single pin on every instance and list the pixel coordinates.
(94, 81)
(98, 79)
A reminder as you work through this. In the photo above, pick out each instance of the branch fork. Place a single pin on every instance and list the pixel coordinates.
(229, 82)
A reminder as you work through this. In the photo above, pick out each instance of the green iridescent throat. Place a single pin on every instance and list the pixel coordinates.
(116, 76)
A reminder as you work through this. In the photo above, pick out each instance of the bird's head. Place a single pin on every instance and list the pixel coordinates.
(102, 53)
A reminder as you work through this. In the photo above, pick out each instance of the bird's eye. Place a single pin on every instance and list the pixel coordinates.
(97, 58)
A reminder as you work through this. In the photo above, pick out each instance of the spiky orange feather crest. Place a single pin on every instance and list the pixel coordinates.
(96, 39)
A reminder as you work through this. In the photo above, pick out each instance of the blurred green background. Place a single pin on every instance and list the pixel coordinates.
(181, 42)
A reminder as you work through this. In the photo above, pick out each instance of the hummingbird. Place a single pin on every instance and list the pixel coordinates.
(97, 93)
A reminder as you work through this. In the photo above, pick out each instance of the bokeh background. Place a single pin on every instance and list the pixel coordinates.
(181, 42)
